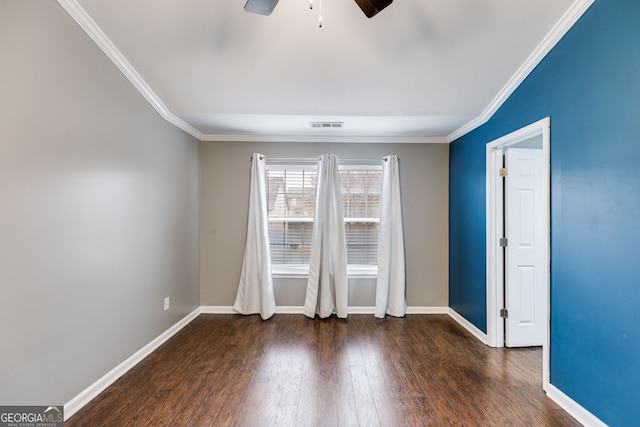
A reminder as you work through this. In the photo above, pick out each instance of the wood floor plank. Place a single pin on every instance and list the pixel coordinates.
(421, 370)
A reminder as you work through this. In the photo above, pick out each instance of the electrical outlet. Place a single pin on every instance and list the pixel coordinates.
(167, 303)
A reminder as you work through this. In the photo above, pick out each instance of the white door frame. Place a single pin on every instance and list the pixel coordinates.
(494, 218)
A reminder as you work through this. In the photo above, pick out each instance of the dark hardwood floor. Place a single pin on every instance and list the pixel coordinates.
(422, 370)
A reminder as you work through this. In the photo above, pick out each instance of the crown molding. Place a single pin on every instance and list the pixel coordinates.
(100, 38)
(577, 9)
(91, 28)
(326, 139)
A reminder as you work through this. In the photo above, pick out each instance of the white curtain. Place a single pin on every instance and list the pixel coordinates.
(255, 293)
(327, 290)
(390, 287)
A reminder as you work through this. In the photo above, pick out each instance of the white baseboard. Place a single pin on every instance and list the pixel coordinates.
(468, 326)
(217, 309)
(289, 309)
(427, 310)
(574, 409)
(362, 310)
(84, 397)
(294, 309)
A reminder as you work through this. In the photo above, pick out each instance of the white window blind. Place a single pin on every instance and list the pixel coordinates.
(361, 204)
(291, 190)
(291, 202)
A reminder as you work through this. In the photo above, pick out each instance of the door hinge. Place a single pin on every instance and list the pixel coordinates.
(504, 313)
(503, 242)
(504, 172)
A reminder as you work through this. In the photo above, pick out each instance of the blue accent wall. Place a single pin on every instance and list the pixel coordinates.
(467, 222)
(589, 85)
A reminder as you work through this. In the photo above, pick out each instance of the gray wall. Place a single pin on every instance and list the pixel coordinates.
(99, 205)
(224, 199)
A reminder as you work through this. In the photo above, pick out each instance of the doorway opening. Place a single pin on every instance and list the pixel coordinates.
(536, 136)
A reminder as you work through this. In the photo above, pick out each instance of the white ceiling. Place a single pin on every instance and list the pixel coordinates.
(420, 70)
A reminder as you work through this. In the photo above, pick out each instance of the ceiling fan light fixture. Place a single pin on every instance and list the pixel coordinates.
(319, 13)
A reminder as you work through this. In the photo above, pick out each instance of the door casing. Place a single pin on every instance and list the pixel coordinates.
(494, 221)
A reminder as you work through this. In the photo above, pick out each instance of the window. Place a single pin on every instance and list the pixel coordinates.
(361, 204)
(291, 203)
(291, 190)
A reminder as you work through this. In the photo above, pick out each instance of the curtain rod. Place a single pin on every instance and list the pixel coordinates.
(315, 159)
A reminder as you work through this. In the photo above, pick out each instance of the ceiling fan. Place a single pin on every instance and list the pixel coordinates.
(265, 7)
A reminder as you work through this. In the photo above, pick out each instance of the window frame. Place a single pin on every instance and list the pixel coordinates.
(302, 270)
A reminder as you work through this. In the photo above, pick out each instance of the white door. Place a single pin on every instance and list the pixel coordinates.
(525, 259)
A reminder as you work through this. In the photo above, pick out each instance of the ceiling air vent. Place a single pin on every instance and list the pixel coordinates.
(326, 125)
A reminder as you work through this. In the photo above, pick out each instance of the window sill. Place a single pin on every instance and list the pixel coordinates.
(289, 271)
(302, 271)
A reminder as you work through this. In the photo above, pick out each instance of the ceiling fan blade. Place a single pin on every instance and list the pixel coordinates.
(262, 7)
(371, 7)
